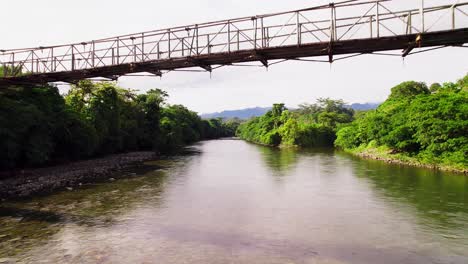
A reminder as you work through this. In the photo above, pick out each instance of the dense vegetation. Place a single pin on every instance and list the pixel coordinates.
(417, 123)
(39, 126)
(312, 125)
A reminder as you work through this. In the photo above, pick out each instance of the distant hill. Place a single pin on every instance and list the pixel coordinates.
(365, 106)
(258, 111)
(241, 113)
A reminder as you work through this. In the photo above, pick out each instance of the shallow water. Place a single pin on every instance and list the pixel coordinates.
(233, 202)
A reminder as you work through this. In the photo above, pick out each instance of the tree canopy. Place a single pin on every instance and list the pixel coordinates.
(429, 124)
(40, 126)
(311, 125)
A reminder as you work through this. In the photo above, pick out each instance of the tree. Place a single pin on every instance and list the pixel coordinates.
(151, 104)
(408, 90)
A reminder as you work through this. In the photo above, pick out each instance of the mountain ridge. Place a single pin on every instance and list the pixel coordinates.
(246, 113)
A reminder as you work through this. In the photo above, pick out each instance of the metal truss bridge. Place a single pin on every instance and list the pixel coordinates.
(336, 31)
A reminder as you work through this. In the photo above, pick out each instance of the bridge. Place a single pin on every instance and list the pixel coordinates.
(336, 31)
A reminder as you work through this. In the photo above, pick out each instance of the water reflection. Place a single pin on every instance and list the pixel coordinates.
(279, 161)
(24, 224)
(441, 199)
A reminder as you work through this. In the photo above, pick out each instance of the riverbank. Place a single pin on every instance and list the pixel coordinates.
(31, 182)
(382, 154)
(385, 155)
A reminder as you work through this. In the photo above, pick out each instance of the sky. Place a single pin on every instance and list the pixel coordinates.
(367, 78)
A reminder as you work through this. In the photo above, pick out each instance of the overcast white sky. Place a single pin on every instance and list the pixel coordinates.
(368, 78)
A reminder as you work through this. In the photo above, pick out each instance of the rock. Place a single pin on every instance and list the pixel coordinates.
(111, 179)
(69, 188)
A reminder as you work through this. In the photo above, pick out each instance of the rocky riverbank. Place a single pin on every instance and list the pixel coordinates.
(388, 158)
(31, 182)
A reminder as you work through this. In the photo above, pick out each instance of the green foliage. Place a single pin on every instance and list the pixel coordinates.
(409, 89)
(428, 126)
(39, 126)
(180, 126)
(310, 126)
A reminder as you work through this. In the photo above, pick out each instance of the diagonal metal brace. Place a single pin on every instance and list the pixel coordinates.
(201, 64)
(407, 51)
(411, 46)
(207, 68)
(112, 77)
(156, 72)
(260, 57)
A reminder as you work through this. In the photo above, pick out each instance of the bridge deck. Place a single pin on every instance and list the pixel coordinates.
(442, 38)
(376, 27)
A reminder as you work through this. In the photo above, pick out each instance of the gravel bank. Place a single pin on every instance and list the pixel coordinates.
(46, 180)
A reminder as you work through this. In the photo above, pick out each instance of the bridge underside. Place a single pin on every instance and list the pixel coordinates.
(406, 42)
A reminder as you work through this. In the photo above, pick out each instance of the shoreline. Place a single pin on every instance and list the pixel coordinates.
(41, 181)
(373, 155)
(413, 163)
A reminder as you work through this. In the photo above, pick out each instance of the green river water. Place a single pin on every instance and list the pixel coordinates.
(228, 201)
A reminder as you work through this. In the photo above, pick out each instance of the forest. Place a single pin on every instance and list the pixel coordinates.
(39, 126)
(417, 124)
(312, 125)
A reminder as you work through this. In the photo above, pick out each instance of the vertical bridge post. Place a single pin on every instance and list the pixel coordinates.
(452, 9)
(53, 62)
(118, 50)
(93, 54)
(377, 19)
(32, 61)
(196, 36)
(298, 28)
(255, 31)
(169, 43)
(421, 11)
(72, 57)
(229, 35)
(409, 23)
(262, 33)
(333, 30)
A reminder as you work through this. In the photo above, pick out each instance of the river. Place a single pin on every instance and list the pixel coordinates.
(228, 201)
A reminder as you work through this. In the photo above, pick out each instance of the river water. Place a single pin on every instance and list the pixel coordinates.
(227, 201)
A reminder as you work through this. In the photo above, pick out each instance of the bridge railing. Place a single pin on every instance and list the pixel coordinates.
(342, 21)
